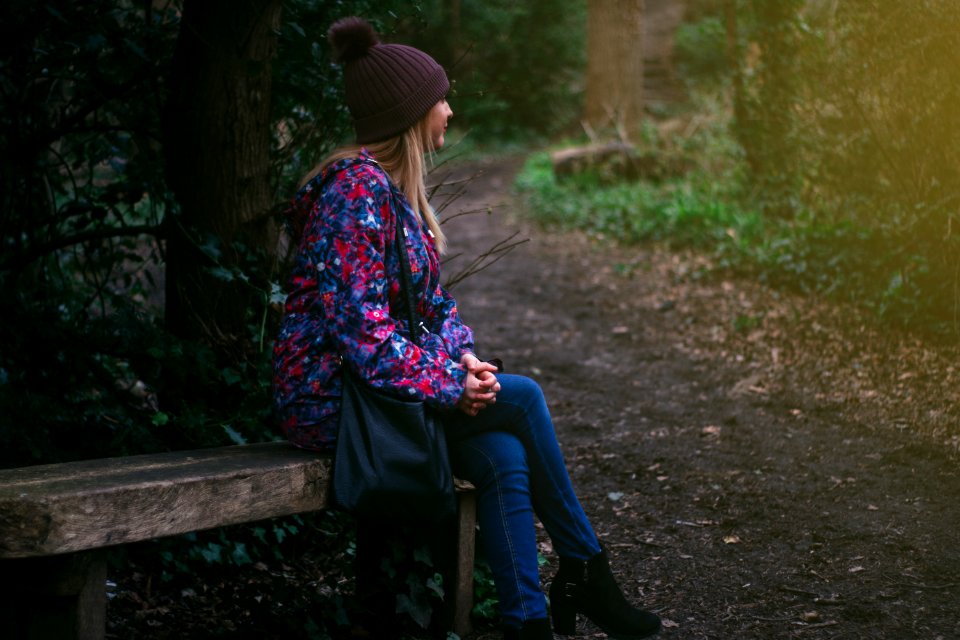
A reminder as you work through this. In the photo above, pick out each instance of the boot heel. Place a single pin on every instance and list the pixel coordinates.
(564, 616)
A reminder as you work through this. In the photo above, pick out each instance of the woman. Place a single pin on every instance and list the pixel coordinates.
(344, 284)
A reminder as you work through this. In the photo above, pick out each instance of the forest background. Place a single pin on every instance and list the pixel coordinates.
(149, 149)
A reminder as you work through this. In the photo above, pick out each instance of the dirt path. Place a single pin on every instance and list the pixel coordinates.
(749, 458)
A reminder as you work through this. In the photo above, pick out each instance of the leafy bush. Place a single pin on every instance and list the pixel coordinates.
(700, 50)
(291, 576)
(871, 142)
(82, 201)
(279, 577)
(679, 211)
(715, 208)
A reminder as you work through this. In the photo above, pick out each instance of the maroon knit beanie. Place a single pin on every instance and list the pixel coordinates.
(389, 87)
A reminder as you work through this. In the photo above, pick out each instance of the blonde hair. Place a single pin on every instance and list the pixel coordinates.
(402, 157)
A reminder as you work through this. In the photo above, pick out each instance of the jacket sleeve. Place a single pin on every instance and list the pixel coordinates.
(444, 320)
(353, 289)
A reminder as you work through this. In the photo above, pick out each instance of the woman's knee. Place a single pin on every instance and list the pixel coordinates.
(519, 390)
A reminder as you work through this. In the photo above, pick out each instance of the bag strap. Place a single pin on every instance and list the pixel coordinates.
(400, 246)
(406, 277)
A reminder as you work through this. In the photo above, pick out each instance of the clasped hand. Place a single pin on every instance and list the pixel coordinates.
(481, 386)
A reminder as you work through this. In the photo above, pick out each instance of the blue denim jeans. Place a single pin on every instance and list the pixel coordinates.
(509, 451)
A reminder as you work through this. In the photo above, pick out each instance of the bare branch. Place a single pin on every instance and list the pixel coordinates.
(45, 248)
(486, 259)
(488, 210)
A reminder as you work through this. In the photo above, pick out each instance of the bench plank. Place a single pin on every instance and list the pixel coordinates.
(70, 511)
(63, 508)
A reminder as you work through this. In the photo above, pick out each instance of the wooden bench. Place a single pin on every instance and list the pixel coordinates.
(56, 520)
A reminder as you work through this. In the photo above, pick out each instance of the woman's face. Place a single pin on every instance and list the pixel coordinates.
(437, 122)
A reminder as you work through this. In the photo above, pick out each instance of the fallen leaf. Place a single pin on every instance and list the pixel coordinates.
(710, 430)
(857, 569)
(731, 539)
(669, 624)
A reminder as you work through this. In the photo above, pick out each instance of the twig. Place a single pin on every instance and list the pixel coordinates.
(819, 625)
(650, 544)
(931, 587)
(459, 181)
(591, 134)
(687, 523)
(488, 210)
(42, 249)
(799, 591)
(486, 259)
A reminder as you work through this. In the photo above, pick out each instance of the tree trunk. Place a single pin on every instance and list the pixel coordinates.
(733, 52)
(614, 91)
(217, 141)
(767, 117)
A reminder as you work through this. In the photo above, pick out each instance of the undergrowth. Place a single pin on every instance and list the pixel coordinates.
(714, 208)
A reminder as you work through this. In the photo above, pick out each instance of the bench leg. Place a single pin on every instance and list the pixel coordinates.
(463, 578)
(54, 597)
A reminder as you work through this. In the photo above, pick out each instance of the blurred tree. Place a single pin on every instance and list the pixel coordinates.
(614, 83)
(767, 103)
(882, 89)
(846, 117)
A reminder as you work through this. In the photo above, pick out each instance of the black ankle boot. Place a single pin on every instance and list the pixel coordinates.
(588, 587)
(531, 630)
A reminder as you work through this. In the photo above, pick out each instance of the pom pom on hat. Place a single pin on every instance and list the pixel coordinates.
(388, 87)
(351, 38)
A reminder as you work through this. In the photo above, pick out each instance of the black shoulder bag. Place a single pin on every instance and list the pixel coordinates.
(391, 459)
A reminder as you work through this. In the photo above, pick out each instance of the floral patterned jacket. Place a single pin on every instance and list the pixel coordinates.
(345, 301)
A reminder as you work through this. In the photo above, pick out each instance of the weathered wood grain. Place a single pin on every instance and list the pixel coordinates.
(463, 572)
(63, 508)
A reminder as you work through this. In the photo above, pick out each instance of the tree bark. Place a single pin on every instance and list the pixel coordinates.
(217, 141)
(736, 66)
(614, 87)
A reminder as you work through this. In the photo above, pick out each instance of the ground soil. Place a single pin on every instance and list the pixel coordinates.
(760, 464)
